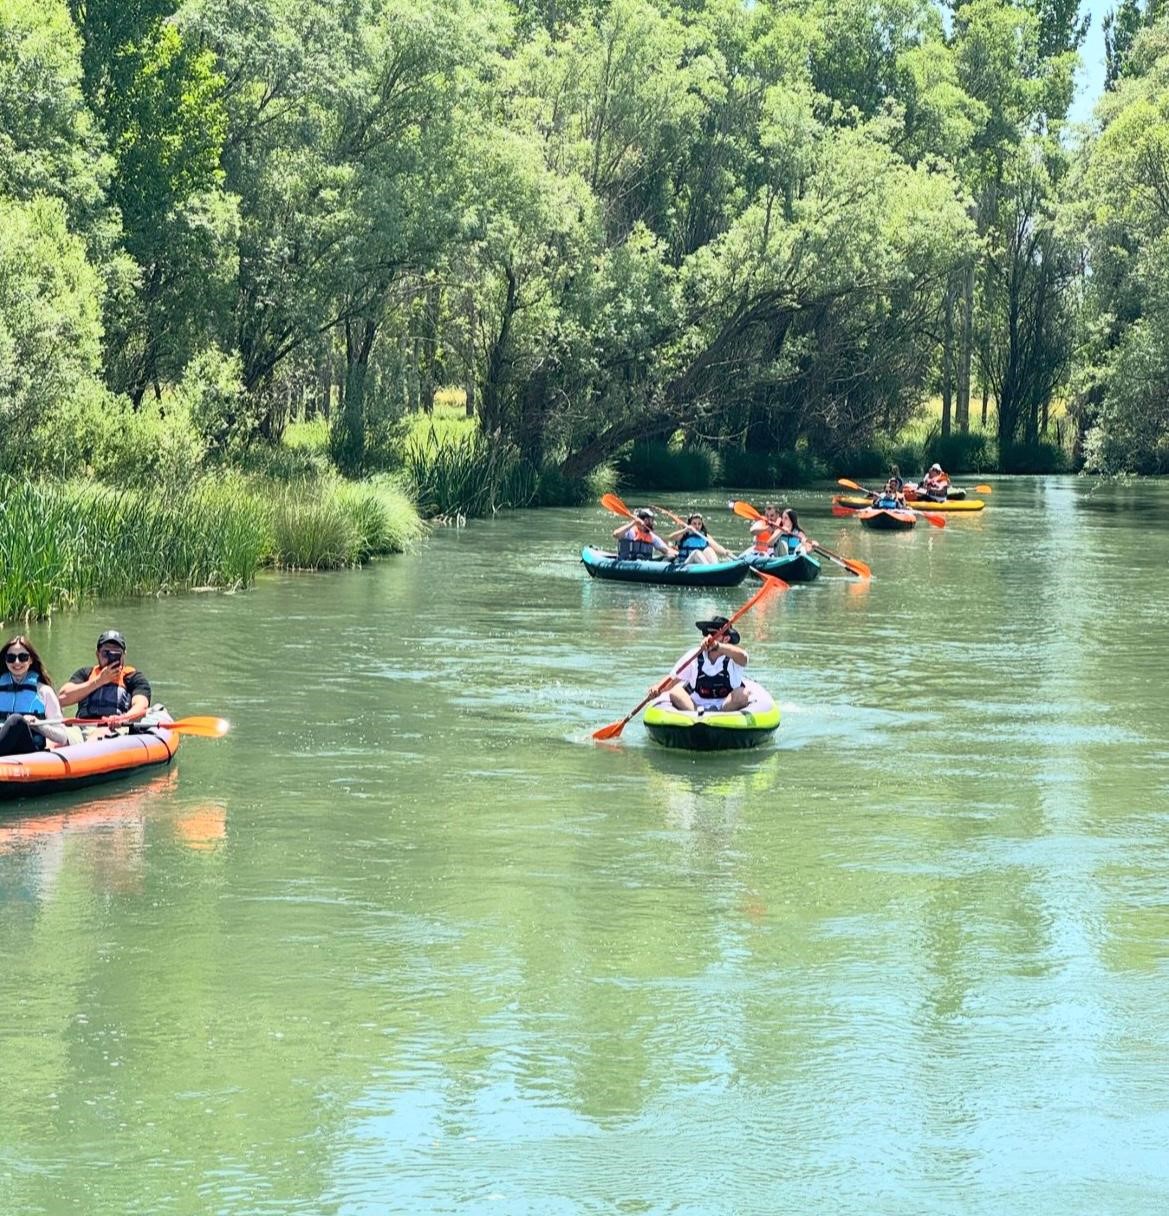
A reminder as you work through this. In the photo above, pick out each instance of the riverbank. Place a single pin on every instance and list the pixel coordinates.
(65, 543)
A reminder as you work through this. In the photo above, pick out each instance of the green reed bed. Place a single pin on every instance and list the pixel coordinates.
(467, 474)
(64, 543)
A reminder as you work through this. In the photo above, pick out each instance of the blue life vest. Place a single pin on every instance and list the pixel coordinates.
(789, 540)
(713, 685)
(22, 698)
(691, 543)
(887, 504)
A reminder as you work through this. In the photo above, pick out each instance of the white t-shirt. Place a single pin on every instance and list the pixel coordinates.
(689, 674)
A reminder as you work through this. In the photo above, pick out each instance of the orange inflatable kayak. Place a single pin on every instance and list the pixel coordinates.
(80, 764)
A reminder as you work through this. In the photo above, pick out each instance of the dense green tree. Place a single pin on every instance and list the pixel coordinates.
(50, 319)
(49, 143)
(1119, 208)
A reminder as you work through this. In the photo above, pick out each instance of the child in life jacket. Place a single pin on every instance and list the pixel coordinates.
(714, 679)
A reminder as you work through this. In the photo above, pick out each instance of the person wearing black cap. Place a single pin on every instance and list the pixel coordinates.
(714, 679)
(110, 689)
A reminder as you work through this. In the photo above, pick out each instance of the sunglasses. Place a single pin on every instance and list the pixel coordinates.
(17, 656)
(111, 655)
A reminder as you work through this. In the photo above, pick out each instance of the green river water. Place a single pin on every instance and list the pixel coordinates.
(407, 941)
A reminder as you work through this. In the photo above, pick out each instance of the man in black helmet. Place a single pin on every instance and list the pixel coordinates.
(111, 689)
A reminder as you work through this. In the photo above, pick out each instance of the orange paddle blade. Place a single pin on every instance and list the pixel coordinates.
(984, 489)
(843, 512)
(745, 510)
(860, 569)
(204, 727)
(612, 503)
(611, 731)
(938, 521)
(850, 485)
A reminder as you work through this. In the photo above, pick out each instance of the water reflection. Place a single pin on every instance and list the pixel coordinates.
(108, 829)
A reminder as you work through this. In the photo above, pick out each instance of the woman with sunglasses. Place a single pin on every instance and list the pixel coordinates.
(26, 700)
(695, 546)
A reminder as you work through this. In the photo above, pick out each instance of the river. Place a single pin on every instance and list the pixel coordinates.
(407, 941)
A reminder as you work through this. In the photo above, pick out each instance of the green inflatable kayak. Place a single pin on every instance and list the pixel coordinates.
(714, 730)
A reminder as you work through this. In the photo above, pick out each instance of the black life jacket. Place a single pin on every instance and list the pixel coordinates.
(713, 685)
(22, 698)
(109, 700)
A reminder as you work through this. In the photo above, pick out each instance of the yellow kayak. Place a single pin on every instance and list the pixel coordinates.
(953, 504)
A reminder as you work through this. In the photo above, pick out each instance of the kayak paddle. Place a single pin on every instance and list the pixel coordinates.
(614, 729)
(860, 569)
(984, 489)
(202, 726)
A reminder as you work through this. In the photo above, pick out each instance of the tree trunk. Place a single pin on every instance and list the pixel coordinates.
(948, 358)
(429, 347)
(359, 338)
(491, 405)
(966, 353)
(469, 370)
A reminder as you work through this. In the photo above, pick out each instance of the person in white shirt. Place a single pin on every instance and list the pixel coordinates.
(714, 678)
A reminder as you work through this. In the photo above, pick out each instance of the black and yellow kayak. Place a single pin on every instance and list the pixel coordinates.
(857, 502)
(714, 730)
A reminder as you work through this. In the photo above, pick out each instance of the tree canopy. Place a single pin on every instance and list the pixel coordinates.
(771, 225)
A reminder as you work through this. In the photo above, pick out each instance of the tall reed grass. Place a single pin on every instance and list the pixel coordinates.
(467, 473)
(65, 543)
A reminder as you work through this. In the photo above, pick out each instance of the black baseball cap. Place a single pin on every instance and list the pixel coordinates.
(111, 635)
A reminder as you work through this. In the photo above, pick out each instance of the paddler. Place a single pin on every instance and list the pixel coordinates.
(713, 679)
(638, 541)
(110, 688)
(935, 485)
(26, 700)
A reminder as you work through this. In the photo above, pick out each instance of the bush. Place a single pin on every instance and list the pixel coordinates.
(383, 515)
(654, 465)
(223, 414)
(785, 468)
(1034, 458)
(959, 452)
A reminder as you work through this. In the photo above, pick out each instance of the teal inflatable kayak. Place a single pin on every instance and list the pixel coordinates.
(662, 573)
(794, 568)
(714, 730)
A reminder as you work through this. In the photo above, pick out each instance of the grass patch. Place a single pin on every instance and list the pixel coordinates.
(64, 543)
(467, 474)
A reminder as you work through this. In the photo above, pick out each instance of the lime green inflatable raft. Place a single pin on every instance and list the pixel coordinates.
(714, 730)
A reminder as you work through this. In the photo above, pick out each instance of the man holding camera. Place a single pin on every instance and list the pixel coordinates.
(111, 689)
